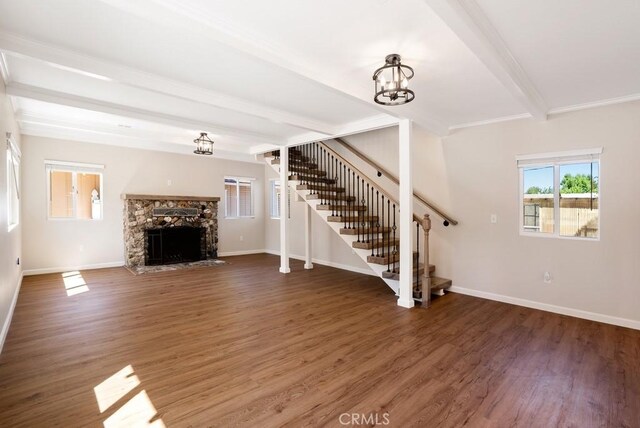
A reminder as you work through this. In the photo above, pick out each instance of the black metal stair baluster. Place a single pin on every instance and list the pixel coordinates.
(373, 226)
(352, 195)
(394, 243)
(389, 243)
(362, 212)
(358, 212)
(367, 212)
(335, 184)
(332, 187)
(343, 184)
(417, 260)
(378, 223)
(383, 234)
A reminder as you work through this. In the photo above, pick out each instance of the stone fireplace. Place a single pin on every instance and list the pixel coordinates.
(155, 212)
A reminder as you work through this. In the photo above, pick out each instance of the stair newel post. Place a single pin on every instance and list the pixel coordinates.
(426, 280)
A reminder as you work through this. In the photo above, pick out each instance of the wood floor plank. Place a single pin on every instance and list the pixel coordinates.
(242, 345)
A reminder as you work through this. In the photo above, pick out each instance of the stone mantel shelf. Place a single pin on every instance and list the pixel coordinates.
(170, 197)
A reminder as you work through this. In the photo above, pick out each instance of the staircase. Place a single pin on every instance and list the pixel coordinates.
(361, 213)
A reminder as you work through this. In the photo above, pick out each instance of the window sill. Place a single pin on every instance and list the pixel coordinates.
(554, 236)
(240, 218)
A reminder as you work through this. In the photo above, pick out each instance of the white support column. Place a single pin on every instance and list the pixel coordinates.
(307, 237)
(284, 210)
(405, 291)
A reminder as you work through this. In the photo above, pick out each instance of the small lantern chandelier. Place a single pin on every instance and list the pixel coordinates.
(204, 145)
(392, 82)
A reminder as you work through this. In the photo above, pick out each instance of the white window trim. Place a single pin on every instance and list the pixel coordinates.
(74, 168)
(14, 157)
(556, 159)
(253, 208)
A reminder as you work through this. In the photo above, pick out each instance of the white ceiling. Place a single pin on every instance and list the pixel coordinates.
(154, 73)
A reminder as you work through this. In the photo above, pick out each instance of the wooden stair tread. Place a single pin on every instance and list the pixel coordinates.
(308, 171)
(374, 243)
(388, 258)
(315, 196)
(365, 231)
(341, 218)
(319, 187)
(297, 161)
(344, 208)
(311, 179)
(395, 273)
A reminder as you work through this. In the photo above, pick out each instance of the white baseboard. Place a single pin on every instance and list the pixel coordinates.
(70, 268)
(7, 320)
(593, 316)
(350, 268)
(239, 253)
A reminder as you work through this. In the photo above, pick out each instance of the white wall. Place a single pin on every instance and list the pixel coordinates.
(472, 174)
(598, 277)
(59, 244)
(10, 242)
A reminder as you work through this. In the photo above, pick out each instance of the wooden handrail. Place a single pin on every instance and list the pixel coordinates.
(365, 178)
(393, 178)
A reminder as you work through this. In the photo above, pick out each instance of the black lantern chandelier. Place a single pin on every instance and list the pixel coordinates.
(392, 82)
(204, 145)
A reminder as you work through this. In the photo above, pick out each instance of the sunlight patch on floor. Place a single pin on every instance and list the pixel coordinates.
(74, 283)
(137, 412)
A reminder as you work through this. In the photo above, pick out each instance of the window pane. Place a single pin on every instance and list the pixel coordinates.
(231, 199)
(13, 203)
(89, 198)
(61, 194)
(538, 199)
(275, 199)
(579, 202)
(245, 199)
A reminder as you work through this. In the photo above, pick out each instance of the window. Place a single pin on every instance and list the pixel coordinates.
(238, 197)
(13, 183)
(275, 199)
(560, 194)
(74, 191)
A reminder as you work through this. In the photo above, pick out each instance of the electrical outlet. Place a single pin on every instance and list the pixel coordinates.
(169, 182)
(494, 218)
(547, 278)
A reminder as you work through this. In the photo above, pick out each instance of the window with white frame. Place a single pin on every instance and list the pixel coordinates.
(238, 197)
(275, 198)
(74, 190)
(560, 194)
(13, 182)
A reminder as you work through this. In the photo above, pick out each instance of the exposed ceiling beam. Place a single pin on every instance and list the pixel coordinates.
(153, 136)
(105, 70)
(356, 127)
(165, 12)
(89, 137)
(55, 97)
(467, 19)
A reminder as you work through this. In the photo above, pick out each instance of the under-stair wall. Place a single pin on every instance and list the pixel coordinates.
(328, 248)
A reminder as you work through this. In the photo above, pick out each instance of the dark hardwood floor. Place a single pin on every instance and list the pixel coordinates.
(243, 345)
